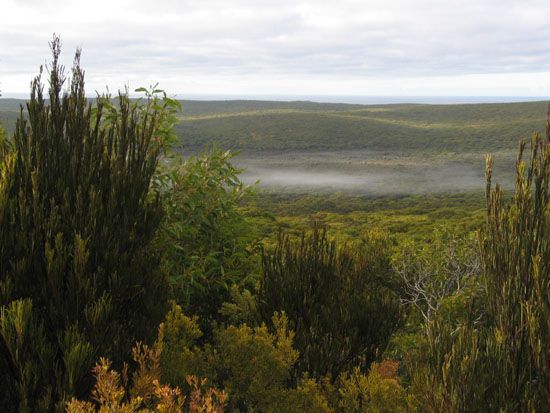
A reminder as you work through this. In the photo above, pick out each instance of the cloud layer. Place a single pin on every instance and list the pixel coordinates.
(310, 47)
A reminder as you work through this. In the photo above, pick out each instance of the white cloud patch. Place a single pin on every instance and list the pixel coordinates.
(391, 47)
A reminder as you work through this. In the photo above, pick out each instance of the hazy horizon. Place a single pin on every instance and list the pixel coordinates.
(346, 99)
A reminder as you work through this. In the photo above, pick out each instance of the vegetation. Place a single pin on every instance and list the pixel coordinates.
(208, 243)
(79, 278)
(273, 126)
(340, 302)
(496, 359)
(133, 280)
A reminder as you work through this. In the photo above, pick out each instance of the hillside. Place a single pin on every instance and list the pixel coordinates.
(260, 126)
(370, 149)
(273, 126)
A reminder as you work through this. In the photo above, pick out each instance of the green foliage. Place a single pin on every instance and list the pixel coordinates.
(498, 359)
(348, 218)
(379, 391)
(299, 126)
(254, 364)
(340, 302)
(251, 364)
(5, 144)
(177, 339)
(439, 275)
(254, 367)
(207, 240)
(78, 275)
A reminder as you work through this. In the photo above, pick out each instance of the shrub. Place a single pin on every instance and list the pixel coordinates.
(340, 302)
(78, 275)
(497, 360)
(379, 391)
(208, 242)
(113, 393)
(440, 275)
(251, 364)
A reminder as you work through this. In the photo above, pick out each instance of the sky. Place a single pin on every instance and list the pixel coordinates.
(286, 47)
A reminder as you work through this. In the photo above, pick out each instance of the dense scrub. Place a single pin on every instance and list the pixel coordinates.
(134, 281)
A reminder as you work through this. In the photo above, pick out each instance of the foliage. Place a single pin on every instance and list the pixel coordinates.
(78, 275)
(251, 364)
(177, 339)
(208, 242)
(263, 126)
(5, 144)
(112, 393)
(498, 360)
(307, 126)
(340, 302)
(348, 218)
(439, 275)
(254, 367)
(376, 392)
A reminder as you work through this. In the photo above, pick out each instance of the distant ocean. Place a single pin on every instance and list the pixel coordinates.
(373, 100)
(360, 100)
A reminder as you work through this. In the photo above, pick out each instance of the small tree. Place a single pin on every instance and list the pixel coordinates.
(78, 276)
(209, 244)
(340, 302)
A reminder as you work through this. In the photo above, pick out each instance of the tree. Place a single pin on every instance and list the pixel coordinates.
(79, 278)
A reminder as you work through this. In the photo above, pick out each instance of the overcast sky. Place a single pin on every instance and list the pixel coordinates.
(288, 47)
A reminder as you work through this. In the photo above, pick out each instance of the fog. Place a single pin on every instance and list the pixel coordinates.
(374, 174)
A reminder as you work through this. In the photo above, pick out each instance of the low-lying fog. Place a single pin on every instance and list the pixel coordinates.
(374, 173)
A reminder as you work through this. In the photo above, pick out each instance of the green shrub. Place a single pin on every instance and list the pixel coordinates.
(439, 275)
(252, 365)
(340, 302)
(79, 278)
(208, 242)
(497, 359)
(379, 391)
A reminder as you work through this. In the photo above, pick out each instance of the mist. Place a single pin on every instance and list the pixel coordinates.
(369, 173)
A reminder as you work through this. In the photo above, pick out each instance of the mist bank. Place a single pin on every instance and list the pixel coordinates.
(374, 174)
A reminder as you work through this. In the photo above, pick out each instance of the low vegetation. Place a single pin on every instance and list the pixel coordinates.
(132, 280)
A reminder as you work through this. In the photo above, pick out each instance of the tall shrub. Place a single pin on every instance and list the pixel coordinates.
(339, 301)
(499, 359)
(78, 276)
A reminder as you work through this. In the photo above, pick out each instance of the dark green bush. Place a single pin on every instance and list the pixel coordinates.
(340, 302)
(78, 276)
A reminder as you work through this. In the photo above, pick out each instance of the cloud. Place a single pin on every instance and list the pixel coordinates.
(284, 46)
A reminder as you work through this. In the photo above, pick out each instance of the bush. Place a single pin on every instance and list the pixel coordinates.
(340, 302)
(251, 364)
(208, 242)
(78, 275)
(113, 392)
(439, 272)
(497, 360)
(379, 391)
